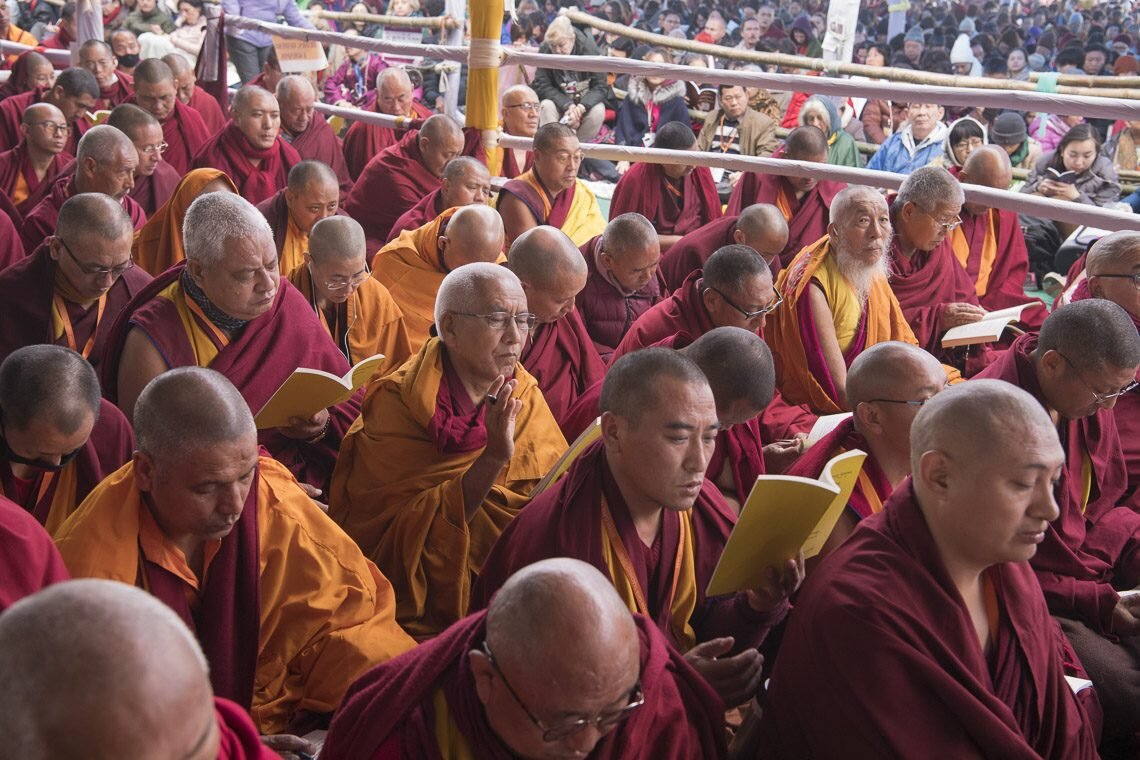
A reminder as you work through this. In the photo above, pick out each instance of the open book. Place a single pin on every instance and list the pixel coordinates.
(987, 330)
(307, 391)
(1066, 177)
(824, 425)
(588, 436)
(784, 514)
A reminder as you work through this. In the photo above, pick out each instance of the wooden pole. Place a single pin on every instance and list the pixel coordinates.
(851, 69)
(412, 22)
(483, 77)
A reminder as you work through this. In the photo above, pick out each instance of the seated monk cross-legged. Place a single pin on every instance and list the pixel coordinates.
(465, 181)
(447, 449)
(933, 601)
(638, 506)
(311, 194)
(155, 179)
(37, 159)
(308, 131)
(183, 129)
(483, 687)
(358, 312)
(145, 690)
(287, 609)
(760, 226)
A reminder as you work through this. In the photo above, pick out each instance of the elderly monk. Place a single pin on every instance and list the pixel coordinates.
(837, 302)
(413, 265)
(550, 191)
(760, 226)
(226, 308)
(520, 118)
(286, 608)
(937, 605)
(250, 149)
(38, 158)
(158, 245)
(105, 163)
(638, 506)
(465, 181)
(30, 70)
(307, 131)
(886, 386)
(622, 691)
(402, 175)
(933, 290)
(358, 312)
(393, 97)
(623, 281)
(145, 690)
(183, 130)
(989, 243)
(447, 449)
(71, 290)
(1113, 273)
(1083, 360)
(190, 94)
(310, 195)
(114, 87)
(61, 438)
(677, 198)
(559, 354)
(802, 202)
(29, 561)
(155, 179)
(74, 93)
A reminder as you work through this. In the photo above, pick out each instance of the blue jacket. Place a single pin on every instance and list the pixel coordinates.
(899, 154)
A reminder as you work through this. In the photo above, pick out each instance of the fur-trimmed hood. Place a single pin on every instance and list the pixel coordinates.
(669, 89)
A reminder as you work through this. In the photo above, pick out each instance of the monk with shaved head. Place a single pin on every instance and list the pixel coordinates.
(447, 448)
(358, 312)
(200, 515)
(73, 92)
(637, 505)
(250, 149)
(145, 690)
(30, 70)
(989, 243)
(114, 87)
(414, 264)
(28, 170)
(465, 181)
(760, 226)
(393, 97)
(937, 604)
(402, 175)
(803, 202)
(559, 354)
(190, 94)
(155, 179)
(677, 198)
(622, 691)
(310, 195)
(308, 131)
(183, 129)
(1078, 367)
(519, 114)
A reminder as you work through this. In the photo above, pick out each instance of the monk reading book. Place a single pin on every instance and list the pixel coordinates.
(74, 93)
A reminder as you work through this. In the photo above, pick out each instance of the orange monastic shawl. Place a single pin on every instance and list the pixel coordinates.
(158, 245)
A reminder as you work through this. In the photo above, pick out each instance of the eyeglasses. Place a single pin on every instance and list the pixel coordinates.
(603, 722)
(528, 107)
(898, 401)
(1100, 398)
(153, 150)
(498, 320)
(750, 314)
(1135, 277)
(51, 126)
(352, 282)
(949, 226)
(92, 271)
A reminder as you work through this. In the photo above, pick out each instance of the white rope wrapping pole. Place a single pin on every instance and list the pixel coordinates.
(53, 55)
(485, 54)
(438, 52)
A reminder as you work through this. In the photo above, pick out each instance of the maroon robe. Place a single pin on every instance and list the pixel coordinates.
(923, 285)
(363, 140)
(230, 152)
(563, 360)
(26, 292)
(1006, 284)
(389, 713)
(809, 215)
(257, 362)
(673, 210)
(15, 163)
(880, 624)
(208, 108)
(17, 82)
(420, 214)
(40, 222)
(1086, 551)
(11, 246)
(153, 191)
(566, 521)
(276, 212)
(511, 168)
(320, 143)
(12, 113)
(30, 562)
(845, 438)
(690, 253)
(239, 737)
(530, 197)
(399, 178)
(185, 135)
(120, 91)
(606, 311)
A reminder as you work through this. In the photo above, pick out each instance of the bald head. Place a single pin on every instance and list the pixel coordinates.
(39, 135)
(100, 669)
(38, 69)
(440, 140)
(189, 408)
(51, 386)
(394, 92)
(177, 63)
(297, 99)
(337, 238)
(732, 265)
(629, 233)
(988, 166)
(474, 234)
(762, 227)
(153, 71)
(310, 172)
(472, 288)
(552, 271)
(465, 181)
(520, 111)
(632, 385)
(806, 144)
(853, 199)
(1093, 334)
(105, 162)
(738, 365)
(90, 216)
(441, 127)
(895, 370)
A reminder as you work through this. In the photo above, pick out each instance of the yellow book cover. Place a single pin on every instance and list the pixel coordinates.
(784, 514)
(588, 436)
(307, 391)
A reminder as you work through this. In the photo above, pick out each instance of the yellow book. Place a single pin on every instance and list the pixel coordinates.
(784, 514)
(588, 436)
(307, 391)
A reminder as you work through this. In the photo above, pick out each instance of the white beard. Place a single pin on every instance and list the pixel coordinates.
(862, 276)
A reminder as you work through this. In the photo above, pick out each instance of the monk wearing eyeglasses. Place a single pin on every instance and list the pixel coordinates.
(520, 118)
(39, 157)
(155, 180)
(183, 129)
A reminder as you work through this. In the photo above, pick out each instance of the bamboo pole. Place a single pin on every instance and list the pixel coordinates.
(1085, 80)
(835, 67)
(483, 77)
(412, 22)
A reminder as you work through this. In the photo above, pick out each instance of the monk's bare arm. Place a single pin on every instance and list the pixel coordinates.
(828, 342)
(668, 241)
(517, 218)
(141, 362)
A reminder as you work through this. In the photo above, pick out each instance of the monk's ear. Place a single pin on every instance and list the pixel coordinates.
(935, 471)
(1052, 364)
(144, 471)
(483, 672)
(738, 237)
(867, 416)
(195, 270)
(610, 433)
